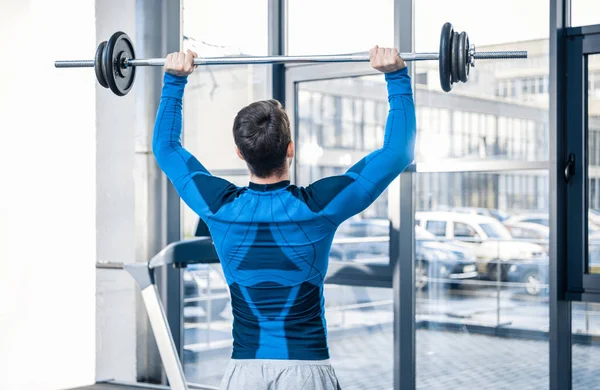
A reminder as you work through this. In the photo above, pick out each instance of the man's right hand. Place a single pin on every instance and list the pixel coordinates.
(385, 60)
(180, 64)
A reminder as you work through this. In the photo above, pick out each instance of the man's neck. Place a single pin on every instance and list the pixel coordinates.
(271, 179)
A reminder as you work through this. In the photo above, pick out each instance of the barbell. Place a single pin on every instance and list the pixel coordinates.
(115, 62)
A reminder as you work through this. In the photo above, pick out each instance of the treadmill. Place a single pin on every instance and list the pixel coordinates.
(199, 250)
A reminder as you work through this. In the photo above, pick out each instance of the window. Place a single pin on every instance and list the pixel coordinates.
(525, 86)
(421, 78)
(593, 172)
(484, 124)
(585, 319)
(462, 230)
(311, 23)
(585, 12)
(437, 228)
(213, 97)
(501, 89)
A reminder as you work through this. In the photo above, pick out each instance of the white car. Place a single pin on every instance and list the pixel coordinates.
(534, 217)
(544, 219)
(530, 231)
(487, 237)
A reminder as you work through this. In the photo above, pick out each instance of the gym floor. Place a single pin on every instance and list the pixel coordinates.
(104, 386)
(453, 360)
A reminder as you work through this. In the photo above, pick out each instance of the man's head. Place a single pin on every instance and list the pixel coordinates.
(261, 132)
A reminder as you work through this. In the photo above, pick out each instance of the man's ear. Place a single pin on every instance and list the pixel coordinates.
(237, 150)
(290, 150)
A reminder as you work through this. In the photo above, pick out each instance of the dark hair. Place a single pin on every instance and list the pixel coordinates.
(262, 133)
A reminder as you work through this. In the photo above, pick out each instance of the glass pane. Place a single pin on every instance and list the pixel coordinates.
(594, 164)
(486, 275)
(585, 12)
(501, 113)
(339, 122)
(359, 317)
(216, 31)
(356, 316)
(337, 26)
(586, 345)
(213, 97)
(207, 324)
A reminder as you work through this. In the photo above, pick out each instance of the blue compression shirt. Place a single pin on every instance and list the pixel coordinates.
(273, 240)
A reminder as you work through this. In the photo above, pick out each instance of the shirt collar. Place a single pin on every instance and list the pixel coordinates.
(269, 187)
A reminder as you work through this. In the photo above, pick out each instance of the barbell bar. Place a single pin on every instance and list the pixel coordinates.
(115, 61)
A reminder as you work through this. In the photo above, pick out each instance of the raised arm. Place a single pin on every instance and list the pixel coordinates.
(340, 197)
(200, 190)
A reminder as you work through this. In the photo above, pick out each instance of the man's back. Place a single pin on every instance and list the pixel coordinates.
(274, 251)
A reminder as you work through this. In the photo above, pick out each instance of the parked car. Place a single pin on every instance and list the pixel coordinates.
(204, 287)
(490, 240)
(350, 241)
(530, 231)
(441, 260)
(539, 223)
(433, 259)
(532, 273)
(542, 218)
(533, 217)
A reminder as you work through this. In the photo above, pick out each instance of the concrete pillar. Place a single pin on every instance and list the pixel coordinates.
(115, 209)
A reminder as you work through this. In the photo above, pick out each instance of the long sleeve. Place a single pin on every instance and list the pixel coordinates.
(201, 191)
(340, 197)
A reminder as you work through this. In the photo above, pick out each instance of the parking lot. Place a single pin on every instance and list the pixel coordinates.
(476, 328)
(361, 336)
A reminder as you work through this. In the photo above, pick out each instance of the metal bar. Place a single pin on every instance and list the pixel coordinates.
(169, 279)
(277, 46)
(255, 60)
(463, 165)
(402, 215)
(404, 289)
(166, 346)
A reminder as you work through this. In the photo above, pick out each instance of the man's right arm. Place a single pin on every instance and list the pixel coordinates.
(201, 191)
(340, 197)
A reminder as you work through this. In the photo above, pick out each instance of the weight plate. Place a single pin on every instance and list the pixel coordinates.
(463, 63)
(468, 47)
(445, 57)
(454, 63)
(99, 66)
(118, 49)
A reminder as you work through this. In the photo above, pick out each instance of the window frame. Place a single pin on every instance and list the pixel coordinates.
(581, 285)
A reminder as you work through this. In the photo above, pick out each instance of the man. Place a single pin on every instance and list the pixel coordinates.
(273, 238)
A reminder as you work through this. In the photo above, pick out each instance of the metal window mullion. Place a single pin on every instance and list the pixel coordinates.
(169, 279)
(277, 36)
(560, 359)
(402, 216)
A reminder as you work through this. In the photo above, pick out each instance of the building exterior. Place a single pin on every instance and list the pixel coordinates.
(501, 114)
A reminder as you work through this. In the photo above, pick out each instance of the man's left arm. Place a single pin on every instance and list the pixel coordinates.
(201, 191)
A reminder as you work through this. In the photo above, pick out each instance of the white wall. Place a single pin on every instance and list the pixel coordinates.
(47, 195)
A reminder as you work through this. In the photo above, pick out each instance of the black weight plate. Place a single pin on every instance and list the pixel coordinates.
(99, 66)
(120, 79)
(444, 61)
(463, 63)
(468, 47)
(454, 63)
